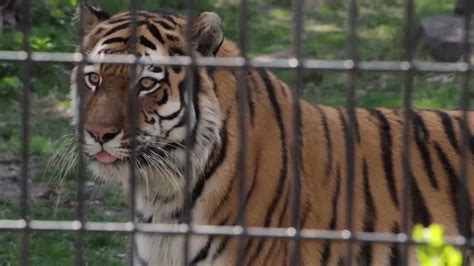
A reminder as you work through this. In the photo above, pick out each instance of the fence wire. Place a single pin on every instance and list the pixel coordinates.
(351, 66)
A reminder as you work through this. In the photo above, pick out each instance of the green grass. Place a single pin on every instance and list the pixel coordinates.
(379, 37)
(58, 248)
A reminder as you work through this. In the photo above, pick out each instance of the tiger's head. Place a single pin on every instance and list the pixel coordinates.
(160, 90)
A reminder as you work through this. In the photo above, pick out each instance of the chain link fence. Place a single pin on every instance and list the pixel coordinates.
(350, 65)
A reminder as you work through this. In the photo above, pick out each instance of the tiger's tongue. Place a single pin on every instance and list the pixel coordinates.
(105, 157)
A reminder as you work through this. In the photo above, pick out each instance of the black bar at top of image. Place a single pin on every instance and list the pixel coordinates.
(25, 24)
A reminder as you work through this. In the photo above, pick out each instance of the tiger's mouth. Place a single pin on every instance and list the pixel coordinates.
(104, 157)
(144, 156)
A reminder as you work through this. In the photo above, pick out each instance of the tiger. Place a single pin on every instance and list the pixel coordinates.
(167, 102)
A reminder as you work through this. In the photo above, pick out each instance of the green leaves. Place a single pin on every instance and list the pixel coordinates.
(41, 44)
(436, 252)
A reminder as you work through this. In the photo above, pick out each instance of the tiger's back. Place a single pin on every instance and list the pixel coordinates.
(434, 165)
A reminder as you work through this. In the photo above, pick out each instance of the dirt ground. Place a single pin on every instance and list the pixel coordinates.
(11, 179)
(41, 191)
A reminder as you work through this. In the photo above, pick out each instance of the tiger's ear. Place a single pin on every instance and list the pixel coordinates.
(91, 16)
(207, 33)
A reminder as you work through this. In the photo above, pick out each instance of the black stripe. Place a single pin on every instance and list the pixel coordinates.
(181, 85)
(173, 115)
(172, 38)
(342, 118)
(420, 213)
(204, 251)
(453, 184)
(254, 181)
(218, 47)
(471, 138)
(181, 122)
(181, 89)
(164, 24)
(117, 28)
(150, 121)
(356, 127)
(421, 138)
(332, 223)
(122, 26)
(327, 137)
(197, 112)
(394, 251)
(386, 145)
(273, 240)
(155, 32)
(141, 261)
(304, 214)
(169, 18)
(106, 51)
(448, 129)
(177, 215)
(175, 51)
(98, 31)
(163, 100)
(370, 216)
(115, 40)
(250, 102)
(247, 196)
(472, 144)
(119, 19)
(127, 16)
(142, 219)
(166, 199)
(225, 198)
(221, 248)
(144, 41)
(155, 69)
(284, 160)
(218, 155)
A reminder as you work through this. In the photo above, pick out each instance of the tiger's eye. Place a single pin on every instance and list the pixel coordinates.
(94, 78)
(147, 83)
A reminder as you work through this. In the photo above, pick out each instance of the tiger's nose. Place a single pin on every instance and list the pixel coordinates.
(103, 135)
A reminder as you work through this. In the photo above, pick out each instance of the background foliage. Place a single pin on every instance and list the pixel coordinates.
(380, 36)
